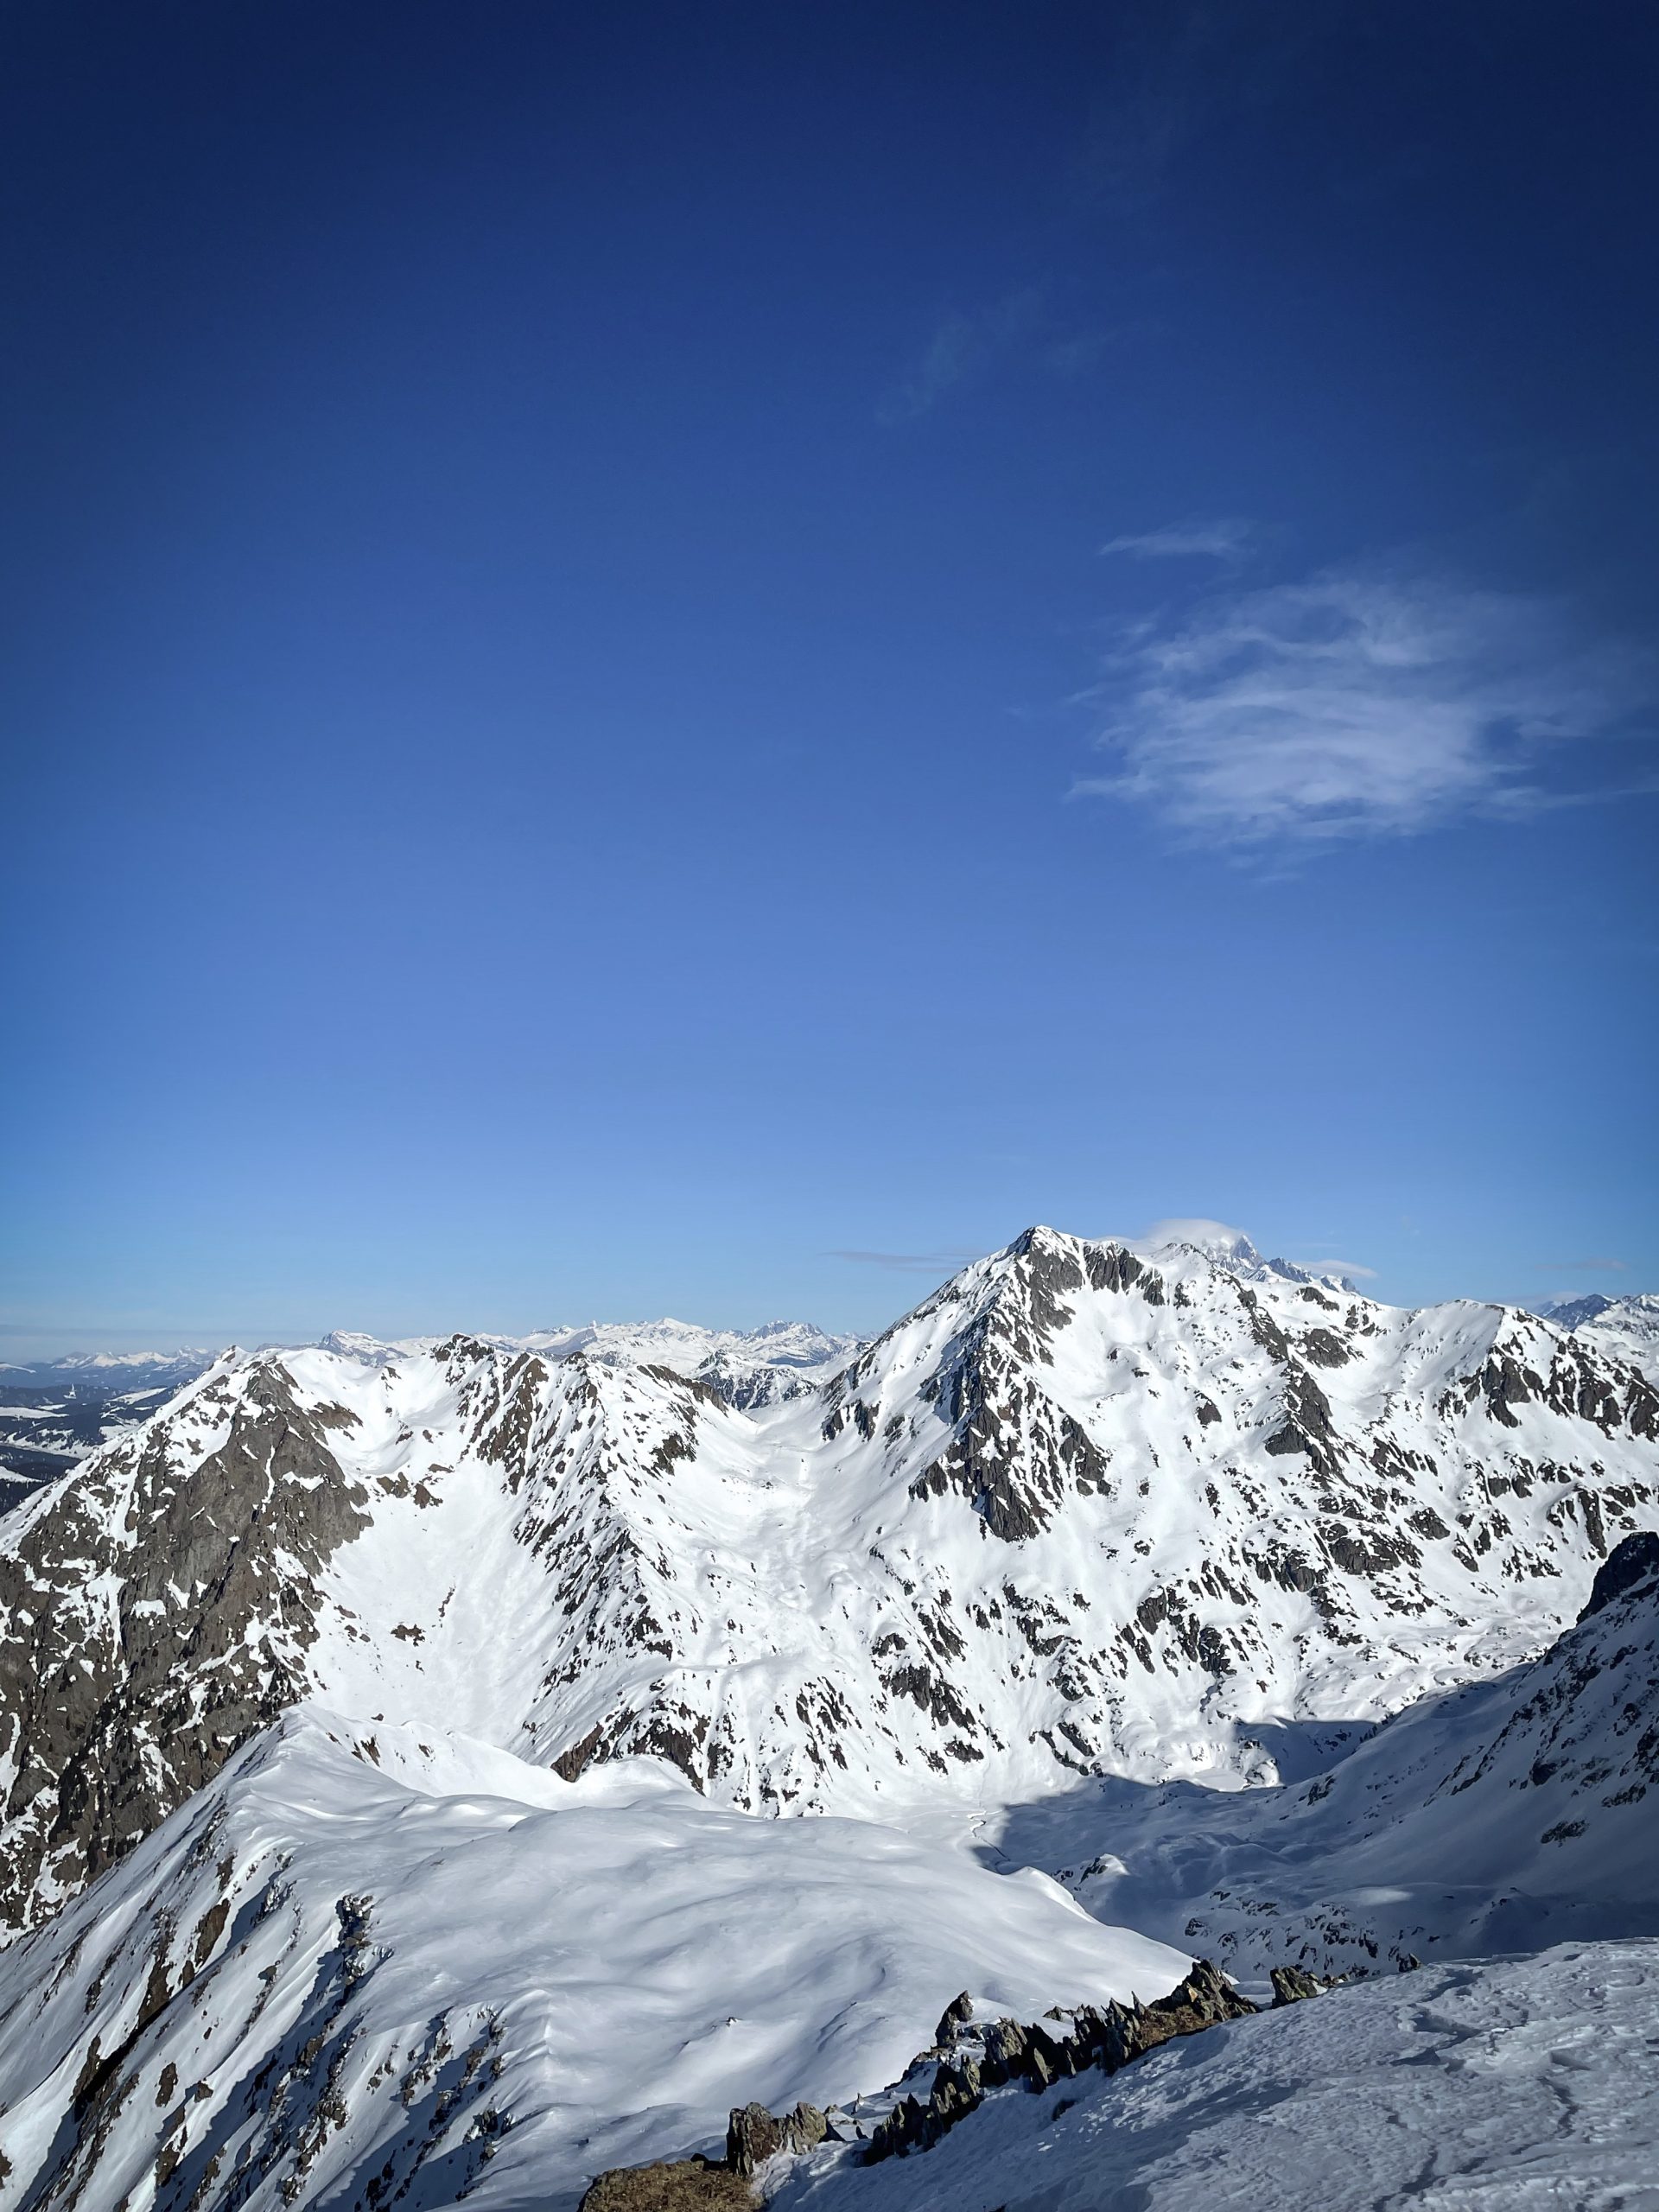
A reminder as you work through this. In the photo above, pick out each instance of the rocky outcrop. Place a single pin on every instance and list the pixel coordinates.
(754, 2134)
(673, 2185)
(1626, 1567)
(1007, 2051)
(1292, 1986)
(974, 2061)
(153, 1615)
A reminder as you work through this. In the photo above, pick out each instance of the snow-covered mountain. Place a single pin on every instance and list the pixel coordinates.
(1504, 1815)
(1082, 1511)
(792, 1355)
(391, 1736)
(112, 1371)
(59, 1411)
(365, 1965)
(42, 1432)
(1626, 1327)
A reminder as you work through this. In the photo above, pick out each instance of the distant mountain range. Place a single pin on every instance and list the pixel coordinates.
(53, 1413)
(1627, 1326)
(56, 1412)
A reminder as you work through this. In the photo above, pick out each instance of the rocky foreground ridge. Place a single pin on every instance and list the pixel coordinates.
(966, 2062)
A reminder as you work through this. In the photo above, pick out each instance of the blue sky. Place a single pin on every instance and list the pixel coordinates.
(697, 659)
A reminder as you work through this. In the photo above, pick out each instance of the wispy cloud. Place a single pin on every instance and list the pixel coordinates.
(966, 345)
(909, 1262)
(1350, 1270)
(963, 346)
(1353, 705)
(1591, 1267)
(1223, 540)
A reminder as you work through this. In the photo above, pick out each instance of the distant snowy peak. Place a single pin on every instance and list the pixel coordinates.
(353, 1343)
(1627, 1327)
(747, 1368)
(115, 1370)
(1573, 1313)
(687, 1347)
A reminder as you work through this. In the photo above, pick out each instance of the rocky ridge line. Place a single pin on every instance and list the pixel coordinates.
(969, 2063)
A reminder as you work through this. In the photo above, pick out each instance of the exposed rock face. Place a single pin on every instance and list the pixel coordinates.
(754, 2135)
(985, 2059)
(677, 2185)
(1009, 2052)
(1625, 1568)
(1292, 1986)
(155, 1612)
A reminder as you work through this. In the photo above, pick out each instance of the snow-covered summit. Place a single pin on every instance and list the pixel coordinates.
(1233, 1249)
(1077, 1513)
(370, 1964)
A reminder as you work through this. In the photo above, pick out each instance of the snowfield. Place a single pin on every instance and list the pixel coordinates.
(1526, 2085)
(359, 1954)
(1501, 1816)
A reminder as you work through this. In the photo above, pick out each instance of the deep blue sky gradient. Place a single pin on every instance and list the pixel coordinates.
(551, 567)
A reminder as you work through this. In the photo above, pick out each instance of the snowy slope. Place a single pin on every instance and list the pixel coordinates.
(1083, 1510)
(1515, 2086)
(1501, 1816)
(1626, 1328)
(366, 1957)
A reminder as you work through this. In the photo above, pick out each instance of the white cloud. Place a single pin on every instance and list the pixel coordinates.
(1197, 1229)
(1223, 540)
(1351, 705)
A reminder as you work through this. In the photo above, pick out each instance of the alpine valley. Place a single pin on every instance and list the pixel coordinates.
(692, 1768)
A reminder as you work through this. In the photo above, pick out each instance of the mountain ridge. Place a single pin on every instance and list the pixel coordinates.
(1077, 1512)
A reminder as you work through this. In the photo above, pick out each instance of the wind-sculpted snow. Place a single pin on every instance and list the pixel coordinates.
(1518, 2086)
(1086, 1510)
(367, 1966)
(1501, 1816)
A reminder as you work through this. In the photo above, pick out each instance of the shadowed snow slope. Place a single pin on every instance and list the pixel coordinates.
(366, 1957)
(1522, 2086)
(1502, 1816)
(1084, 1510)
